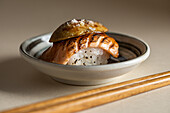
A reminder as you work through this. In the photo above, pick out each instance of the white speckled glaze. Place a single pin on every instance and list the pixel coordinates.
(135, 50)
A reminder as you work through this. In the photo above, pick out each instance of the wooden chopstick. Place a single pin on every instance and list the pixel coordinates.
(98, 96)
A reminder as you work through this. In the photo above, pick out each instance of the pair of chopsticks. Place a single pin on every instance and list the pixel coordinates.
(91, 98)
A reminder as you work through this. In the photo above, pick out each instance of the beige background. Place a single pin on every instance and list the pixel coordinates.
(21, 84)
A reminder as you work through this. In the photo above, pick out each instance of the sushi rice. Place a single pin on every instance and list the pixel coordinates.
(89, 56)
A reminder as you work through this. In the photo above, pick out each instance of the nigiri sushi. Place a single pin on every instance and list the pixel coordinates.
(81, 42)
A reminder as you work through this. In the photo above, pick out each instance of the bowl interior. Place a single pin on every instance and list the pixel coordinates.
(129, 47)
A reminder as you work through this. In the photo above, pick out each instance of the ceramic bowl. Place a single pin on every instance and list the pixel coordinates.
(133, 51)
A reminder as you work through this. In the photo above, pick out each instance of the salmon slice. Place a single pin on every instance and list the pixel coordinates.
(62, 51)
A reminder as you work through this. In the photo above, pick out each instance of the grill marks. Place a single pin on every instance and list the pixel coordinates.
(65, 49)
(94, 38)
(71, 46)
(105, 40)
(83, 42)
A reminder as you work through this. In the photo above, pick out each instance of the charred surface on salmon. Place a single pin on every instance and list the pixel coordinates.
(61, 51)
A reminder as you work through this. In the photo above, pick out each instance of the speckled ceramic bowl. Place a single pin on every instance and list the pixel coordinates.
(133, 51)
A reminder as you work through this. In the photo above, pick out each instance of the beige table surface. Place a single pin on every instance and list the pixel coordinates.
(21, 84)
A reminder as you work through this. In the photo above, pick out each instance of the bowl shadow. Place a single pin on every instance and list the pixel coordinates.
(19, 77)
